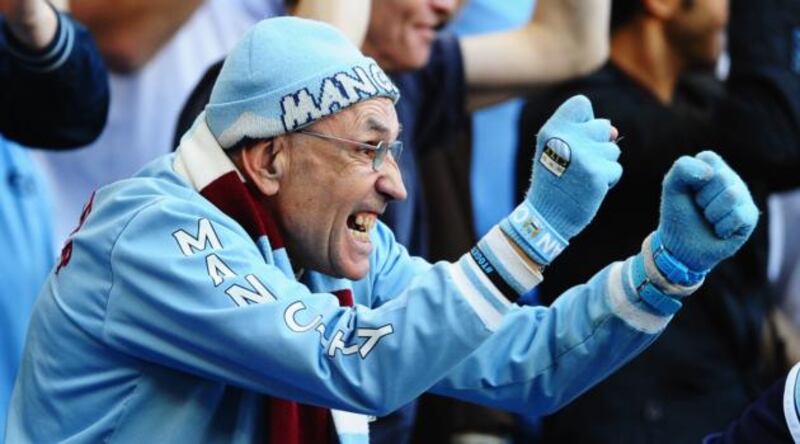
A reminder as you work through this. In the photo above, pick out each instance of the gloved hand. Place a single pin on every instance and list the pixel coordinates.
(574, 166)
(707, 212)
(569, 195)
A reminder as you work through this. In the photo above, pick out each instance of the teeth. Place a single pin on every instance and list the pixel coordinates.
(365, 221)
(360, 235)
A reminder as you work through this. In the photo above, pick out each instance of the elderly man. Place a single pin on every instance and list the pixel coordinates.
(245, 277)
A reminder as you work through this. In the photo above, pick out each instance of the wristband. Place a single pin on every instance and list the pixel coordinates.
(510, 264)
(528, 229)
(51, 56)
(652, 295)
(673, 269)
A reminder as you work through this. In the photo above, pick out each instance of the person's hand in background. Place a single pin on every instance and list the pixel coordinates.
(32, 22)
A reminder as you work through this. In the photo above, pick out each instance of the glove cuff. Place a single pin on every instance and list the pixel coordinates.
(650, 293)
(505, 267)
(657, 277)
(556, 207)
(537, 238)
(675, 271)
(653, 285)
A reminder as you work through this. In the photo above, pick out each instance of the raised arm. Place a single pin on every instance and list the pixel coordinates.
(32, 22)
(350, 16)
(759, 116)
(59, 97)
(565, 38)
(364, 358)
(707, 214)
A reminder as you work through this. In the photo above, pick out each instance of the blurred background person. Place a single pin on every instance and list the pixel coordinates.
(54, 96)
(784, 258)
(773, 418)
(724, 350)
(442, 76)
(784, 253)
(469, 188)
(157, 51)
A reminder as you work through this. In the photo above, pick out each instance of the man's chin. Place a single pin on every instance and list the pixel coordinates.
(356, 275)
(411, 60)
(353, 271)
(419, 58)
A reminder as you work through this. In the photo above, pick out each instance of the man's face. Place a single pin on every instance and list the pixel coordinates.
(698, 31)
(401, 32)
(330, 196)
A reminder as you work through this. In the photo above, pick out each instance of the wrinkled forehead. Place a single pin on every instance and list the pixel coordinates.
(373, 118)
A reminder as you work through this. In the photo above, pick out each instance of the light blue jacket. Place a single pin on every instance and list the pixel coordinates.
(168, 322)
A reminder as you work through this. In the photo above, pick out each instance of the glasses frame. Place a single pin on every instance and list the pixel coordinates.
(381, 149)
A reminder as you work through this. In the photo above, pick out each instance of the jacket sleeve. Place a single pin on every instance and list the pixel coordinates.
(60, 95)
(194, 293)
(540, 358)
(551, 355)
(758, 122)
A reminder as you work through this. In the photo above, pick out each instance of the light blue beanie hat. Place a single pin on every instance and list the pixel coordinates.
(286, 73)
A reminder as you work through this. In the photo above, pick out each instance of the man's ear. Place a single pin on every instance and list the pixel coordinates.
(662, 9)
(264, 163)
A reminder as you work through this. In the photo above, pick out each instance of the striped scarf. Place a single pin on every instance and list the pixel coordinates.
(201, 161)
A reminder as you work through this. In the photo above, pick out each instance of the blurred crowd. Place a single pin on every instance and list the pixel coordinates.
(95, 90)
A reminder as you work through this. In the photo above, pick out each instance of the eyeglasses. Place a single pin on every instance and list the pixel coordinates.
(380, 150)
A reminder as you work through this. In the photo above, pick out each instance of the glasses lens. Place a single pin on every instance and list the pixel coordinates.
(396, 148)
(380, 154)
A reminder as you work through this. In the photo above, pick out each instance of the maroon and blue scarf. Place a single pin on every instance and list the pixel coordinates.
(204, 164)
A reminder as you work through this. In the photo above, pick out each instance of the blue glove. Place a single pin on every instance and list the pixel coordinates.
(574, 166)
(707, 214)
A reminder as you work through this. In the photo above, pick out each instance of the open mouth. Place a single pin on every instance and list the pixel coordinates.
(360, 224)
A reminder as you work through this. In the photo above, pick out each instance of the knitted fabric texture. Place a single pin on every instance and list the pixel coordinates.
(707, 212)
(214, 176)
(574, 167)
(287, 73)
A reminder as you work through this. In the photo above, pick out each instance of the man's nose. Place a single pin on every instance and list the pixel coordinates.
(390, 182)
(444, 8)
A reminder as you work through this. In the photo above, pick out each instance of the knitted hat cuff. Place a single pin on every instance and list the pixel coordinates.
(301, 103)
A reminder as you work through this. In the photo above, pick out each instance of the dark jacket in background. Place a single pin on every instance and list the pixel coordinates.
(763, 422)
(56, 97)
